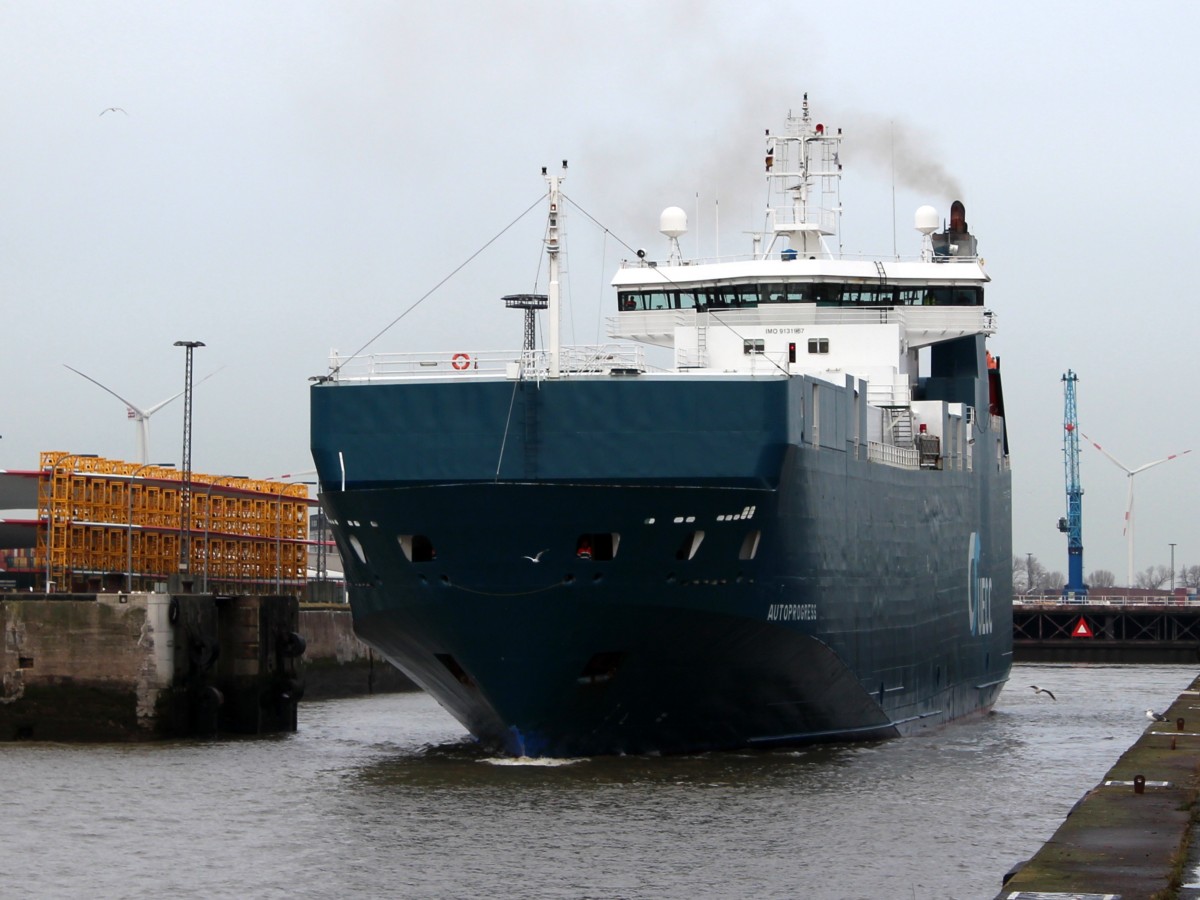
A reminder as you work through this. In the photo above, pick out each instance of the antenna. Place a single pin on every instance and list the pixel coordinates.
(892, 138)
(1129, 505)
(141, 417)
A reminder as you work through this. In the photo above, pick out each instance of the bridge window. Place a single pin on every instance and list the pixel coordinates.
(746, 296)
(818, 345)
(827, 294)
(957, 295)
(735, 296)
(784, 293)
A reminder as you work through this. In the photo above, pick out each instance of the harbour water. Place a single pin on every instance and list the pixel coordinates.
(385, 796)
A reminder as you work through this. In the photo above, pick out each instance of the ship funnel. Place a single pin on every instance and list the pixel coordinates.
(958, 218)
(956, 242)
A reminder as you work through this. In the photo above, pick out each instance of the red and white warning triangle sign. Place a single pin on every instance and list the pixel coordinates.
(1081, 629)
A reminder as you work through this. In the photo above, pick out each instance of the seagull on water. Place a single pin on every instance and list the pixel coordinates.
(1155, 717)
(113, 109)
(1038, 690)
(537, 558)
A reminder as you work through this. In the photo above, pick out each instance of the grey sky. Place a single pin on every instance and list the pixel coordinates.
(290, 176)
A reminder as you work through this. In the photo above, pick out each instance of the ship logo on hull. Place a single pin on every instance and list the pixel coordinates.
(979, 591)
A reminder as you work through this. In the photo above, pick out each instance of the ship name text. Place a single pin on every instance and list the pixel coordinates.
(792, 612)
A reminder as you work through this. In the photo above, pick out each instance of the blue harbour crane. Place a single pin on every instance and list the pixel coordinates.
(1072, 523)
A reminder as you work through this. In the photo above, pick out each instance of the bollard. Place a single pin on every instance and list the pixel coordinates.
(1172, 743)
(1179, 724)
(1139, 784)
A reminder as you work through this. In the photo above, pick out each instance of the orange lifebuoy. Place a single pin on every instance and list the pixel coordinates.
(460, 361)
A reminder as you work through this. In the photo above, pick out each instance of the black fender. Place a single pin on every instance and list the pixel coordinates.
(291, 645)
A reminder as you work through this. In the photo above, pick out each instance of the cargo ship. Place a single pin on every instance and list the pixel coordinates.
(796, 528)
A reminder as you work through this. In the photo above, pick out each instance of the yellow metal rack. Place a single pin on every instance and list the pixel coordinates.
(111, 523)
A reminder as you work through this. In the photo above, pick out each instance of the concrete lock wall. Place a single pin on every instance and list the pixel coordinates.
(337, 663)
(136, 666)
(85, 668)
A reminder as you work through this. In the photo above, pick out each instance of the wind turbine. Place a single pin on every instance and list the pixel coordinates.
(1129, 505)
(139, 415)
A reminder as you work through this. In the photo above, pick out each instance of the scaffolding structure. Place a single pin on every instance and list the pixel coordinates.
(107, 523)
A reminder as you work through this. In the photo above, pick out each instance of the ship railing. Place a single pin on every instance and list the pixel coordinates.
(574, 360)
(777, 254)
(891, 455)
(880, 394)
(585, 359)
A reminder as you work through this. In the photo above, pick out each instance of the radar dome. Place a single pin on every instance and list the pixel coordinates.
(673, 222)
(927, 220)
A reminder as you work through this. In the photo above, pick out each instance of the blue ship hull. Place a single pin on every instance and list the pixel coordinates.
(758, 580)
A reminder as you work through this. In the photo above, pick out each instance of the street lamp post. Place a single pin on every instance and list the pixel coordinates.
(50, 507)
(185, 492)
(1172, 568)
(129, 523)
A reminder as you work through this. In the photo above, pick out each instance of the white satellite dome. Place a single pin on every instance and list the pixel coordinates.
(927, 220)
(673, 222)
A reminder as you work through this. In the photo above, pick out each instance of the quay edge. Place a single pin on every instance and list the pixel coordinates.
(1119, 842)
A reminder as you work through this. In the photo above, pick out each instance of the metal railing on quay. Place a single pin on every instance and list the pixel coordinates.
(1114, 599)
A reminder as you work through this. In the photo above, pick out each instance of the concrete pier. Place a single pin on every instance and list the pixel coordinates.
(1133, 835)
(118, 666)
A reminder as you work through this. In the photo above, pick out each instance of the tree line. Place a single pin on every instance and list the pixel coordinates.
(1030, 575)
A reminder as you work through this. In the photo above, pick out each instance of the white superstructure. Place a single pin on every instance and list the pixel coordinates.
(796, 305)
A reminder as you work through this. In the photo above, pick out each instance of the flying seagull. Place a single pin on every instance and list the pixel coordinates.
(537, 558)
(1155, 717)
(113, 109)
(1038, 690)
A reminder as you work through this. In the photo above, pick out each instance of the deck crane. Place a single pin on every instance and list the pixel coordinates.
(1072, 523)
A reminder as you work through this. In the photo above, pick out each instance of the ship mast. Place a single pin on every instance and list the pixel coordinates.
(552, 249)
(803, 171)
